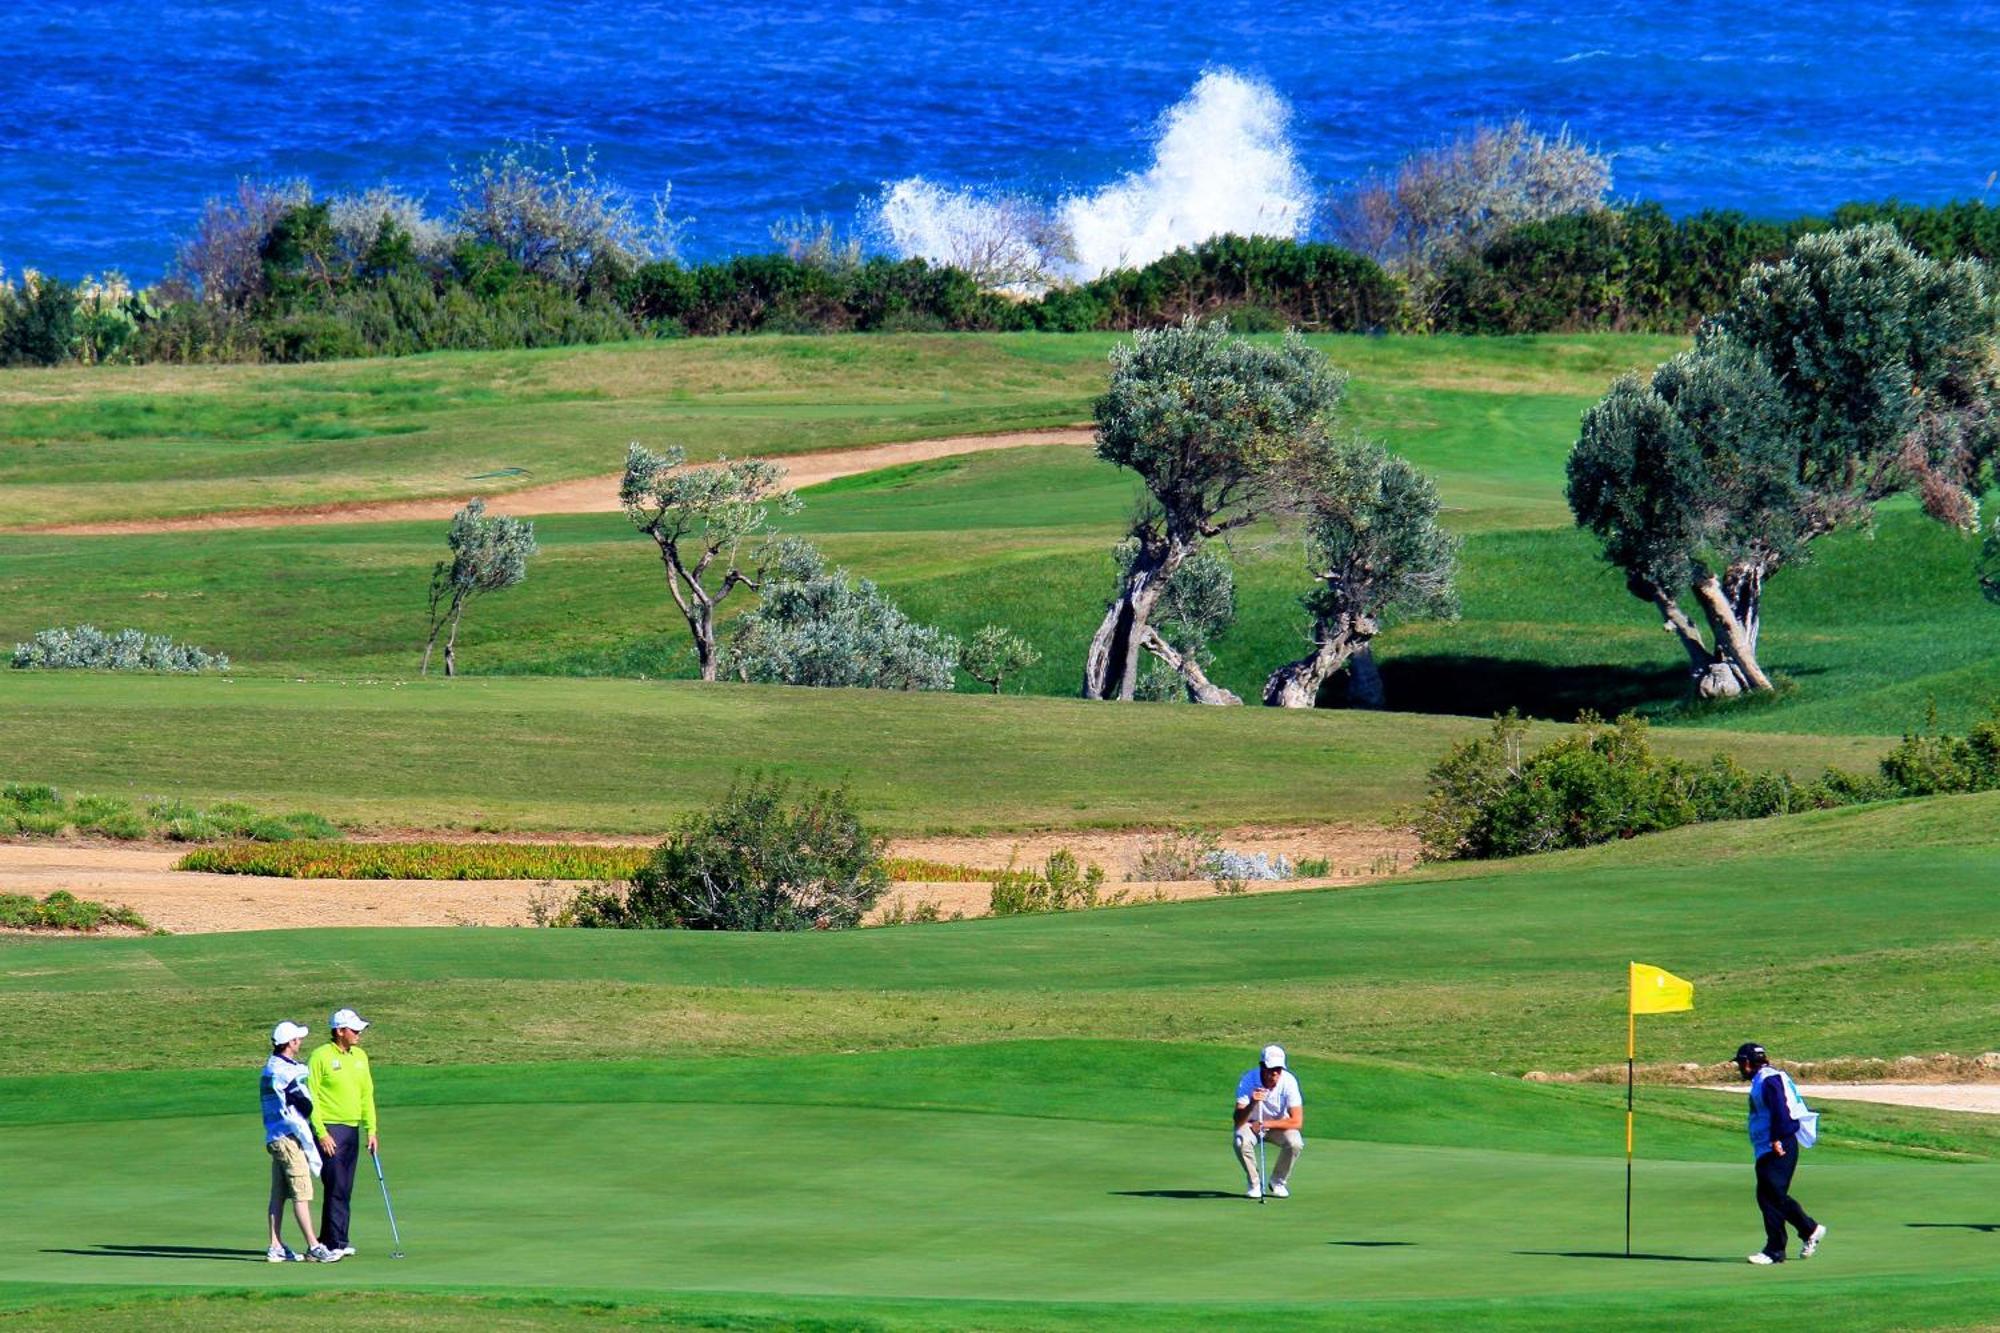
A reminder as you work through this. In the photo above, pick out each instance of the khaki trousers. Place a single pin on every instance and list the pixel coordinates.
(1289, 1143)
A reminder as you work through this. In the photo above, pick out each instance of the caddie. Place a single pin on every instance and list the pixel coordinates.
(343, 1096)
(1269, 1108)
(1780, 1125)
(287, 1107)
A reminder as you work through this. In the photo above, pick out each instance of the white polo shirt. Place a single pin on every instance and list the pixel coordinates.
(1278, 1102)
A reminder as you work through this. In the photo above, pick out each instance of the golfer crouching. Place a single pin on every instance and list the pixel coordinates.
(1269, 1108)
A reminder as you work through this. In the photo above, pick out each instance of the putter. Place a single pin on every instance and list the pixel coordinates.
(1263, 1175)
(387, 1207)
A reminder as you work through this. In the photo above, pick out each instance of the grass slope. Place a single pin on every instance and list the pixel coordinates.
(627, 756)
(73, 443)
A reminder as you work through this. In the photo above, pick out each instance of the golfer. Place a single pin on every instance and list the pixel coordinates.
(343, 1097)
(288, 1142)
(1269, 1108)
(1780, 1125)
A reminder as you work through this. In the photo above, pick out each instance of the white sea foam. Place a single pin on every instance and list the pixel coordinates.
(1221, 162)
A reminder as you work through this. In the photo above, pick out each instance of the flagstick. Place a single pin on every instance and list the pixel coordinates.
(1631, 1052)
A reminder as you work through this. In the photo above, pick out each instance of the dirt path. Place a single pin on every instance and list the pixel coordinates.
(583, 495)
(142, 877)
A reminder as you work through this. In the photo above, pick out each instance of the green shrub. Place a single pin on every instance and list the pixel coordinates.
(32, 797)
(760, 859)
(38, 824)
(63, 910)
(1314, 867)
(1061, 885)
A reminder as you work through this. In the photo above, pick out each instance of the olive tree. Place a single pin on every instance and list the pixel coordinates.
(1196, 606)
(708, 523)
(487, 554)
(994, 653)
(1210, 422)
(1854, 370)
(1375, 550)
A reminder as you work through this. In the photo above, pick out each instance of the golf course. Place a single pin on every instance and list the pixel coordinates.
(1005, 1123)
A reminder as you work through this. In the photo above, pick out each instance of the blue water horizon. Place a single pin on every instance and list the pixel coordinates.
(118, 118)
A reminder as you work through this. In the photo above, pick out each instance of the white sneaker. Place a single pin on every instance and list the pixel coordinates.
(1280, 1190)
(347, 1251)
(322, 1255)
(281, 1254)
(1254, 1192)
(1762, 1259)
(1807, 1250)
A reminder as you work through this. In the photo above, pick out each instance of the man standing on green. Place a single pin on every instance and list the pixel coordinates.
(343, 1095)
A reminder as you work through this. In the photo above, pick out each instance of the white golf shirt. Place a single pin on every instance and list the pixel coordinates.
(1278, 1102)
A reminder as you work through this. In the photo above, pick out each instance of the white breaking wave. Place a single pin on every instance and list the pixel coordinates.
(1222, 162)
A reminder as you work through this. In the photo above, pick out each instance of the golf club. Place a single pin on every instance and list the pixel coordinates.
(387, 1207)
(1263, 1176)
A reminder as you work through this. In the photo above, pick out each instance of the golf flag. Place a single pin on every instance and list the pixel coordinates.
(1658, 991)
(1651, 990)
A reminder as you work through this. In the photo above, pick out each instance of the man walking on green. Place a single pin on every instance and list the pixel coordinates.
(343, 1095)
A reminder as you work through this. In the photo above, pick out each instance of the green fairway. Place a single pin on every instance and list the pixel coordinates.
(881, 1177)
(627, 756)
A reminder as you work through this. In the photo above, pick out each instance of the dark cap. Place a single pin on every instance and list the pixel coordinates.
(1750, 1053)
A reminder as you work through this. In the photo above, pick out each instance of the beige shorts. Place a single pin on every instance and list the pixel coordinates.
(291, 1174)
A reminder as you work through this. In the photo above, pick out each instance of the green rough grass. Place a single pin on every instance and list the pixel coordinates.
(627, 756)
(1506, 967)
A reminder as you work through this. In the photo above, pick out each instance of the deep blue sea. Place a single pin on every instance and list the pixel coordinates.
(118, 116)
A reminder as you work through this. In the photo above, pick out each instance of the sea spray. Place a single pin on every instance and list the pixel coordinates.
(1222, 162)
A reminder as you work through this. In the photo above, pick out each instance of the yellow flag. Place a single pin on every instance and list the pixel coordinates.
(1655, 991)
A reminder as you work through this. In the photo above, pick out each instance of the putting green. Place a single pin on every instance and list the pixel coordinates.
(940, 1193)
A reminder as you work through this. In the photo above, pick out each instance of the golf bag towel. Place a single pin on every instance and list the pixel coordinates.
(1795, 1118)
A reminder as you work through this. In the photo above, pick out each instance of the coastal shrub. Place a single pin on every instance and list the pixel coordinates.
(1490, 797)
(994, 653)
(765, 857)
(85, 647)
(1062, 884)
(553, 216)
(316, 859)
(63, 910)
(815, 625)
(38, 322)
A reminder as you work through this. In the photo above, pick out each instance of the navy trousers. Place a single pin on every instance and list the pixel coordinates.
(336, 1179)
(1775, 1201)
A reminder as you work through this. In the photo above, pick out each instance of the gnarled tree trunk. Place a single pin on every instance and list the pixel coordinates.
(1335, 642)
(1111, 668)
(1199, 687)
(1731, 606)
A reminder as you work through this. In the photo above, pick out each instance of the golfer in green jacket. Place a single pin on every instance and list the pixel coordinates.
(343, 1096)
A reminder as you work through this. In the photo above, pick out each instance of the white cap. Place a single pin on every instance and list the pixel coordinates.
(346, 1018)
(288, 1031)
(1274, 1057)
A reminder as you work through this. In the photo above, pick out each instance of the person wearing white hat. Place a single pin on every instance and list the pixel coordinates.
(1269, 1108)
(343, 1094)
(288, 1142)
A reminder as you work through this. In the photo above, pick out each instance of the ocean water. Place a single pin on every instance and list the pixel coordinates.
(118, 116)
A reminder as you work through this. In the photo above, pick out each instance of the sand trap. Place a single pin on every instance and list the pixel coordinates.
(584, 495)
(142, 877)
(1979, 1098)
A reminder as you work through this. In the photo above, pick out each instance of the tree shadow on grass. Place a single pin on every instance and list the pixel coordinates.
(1476, 686)
(1178, 1194)
(1620, 1254)
(1989, 1228)
(166, 1252)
